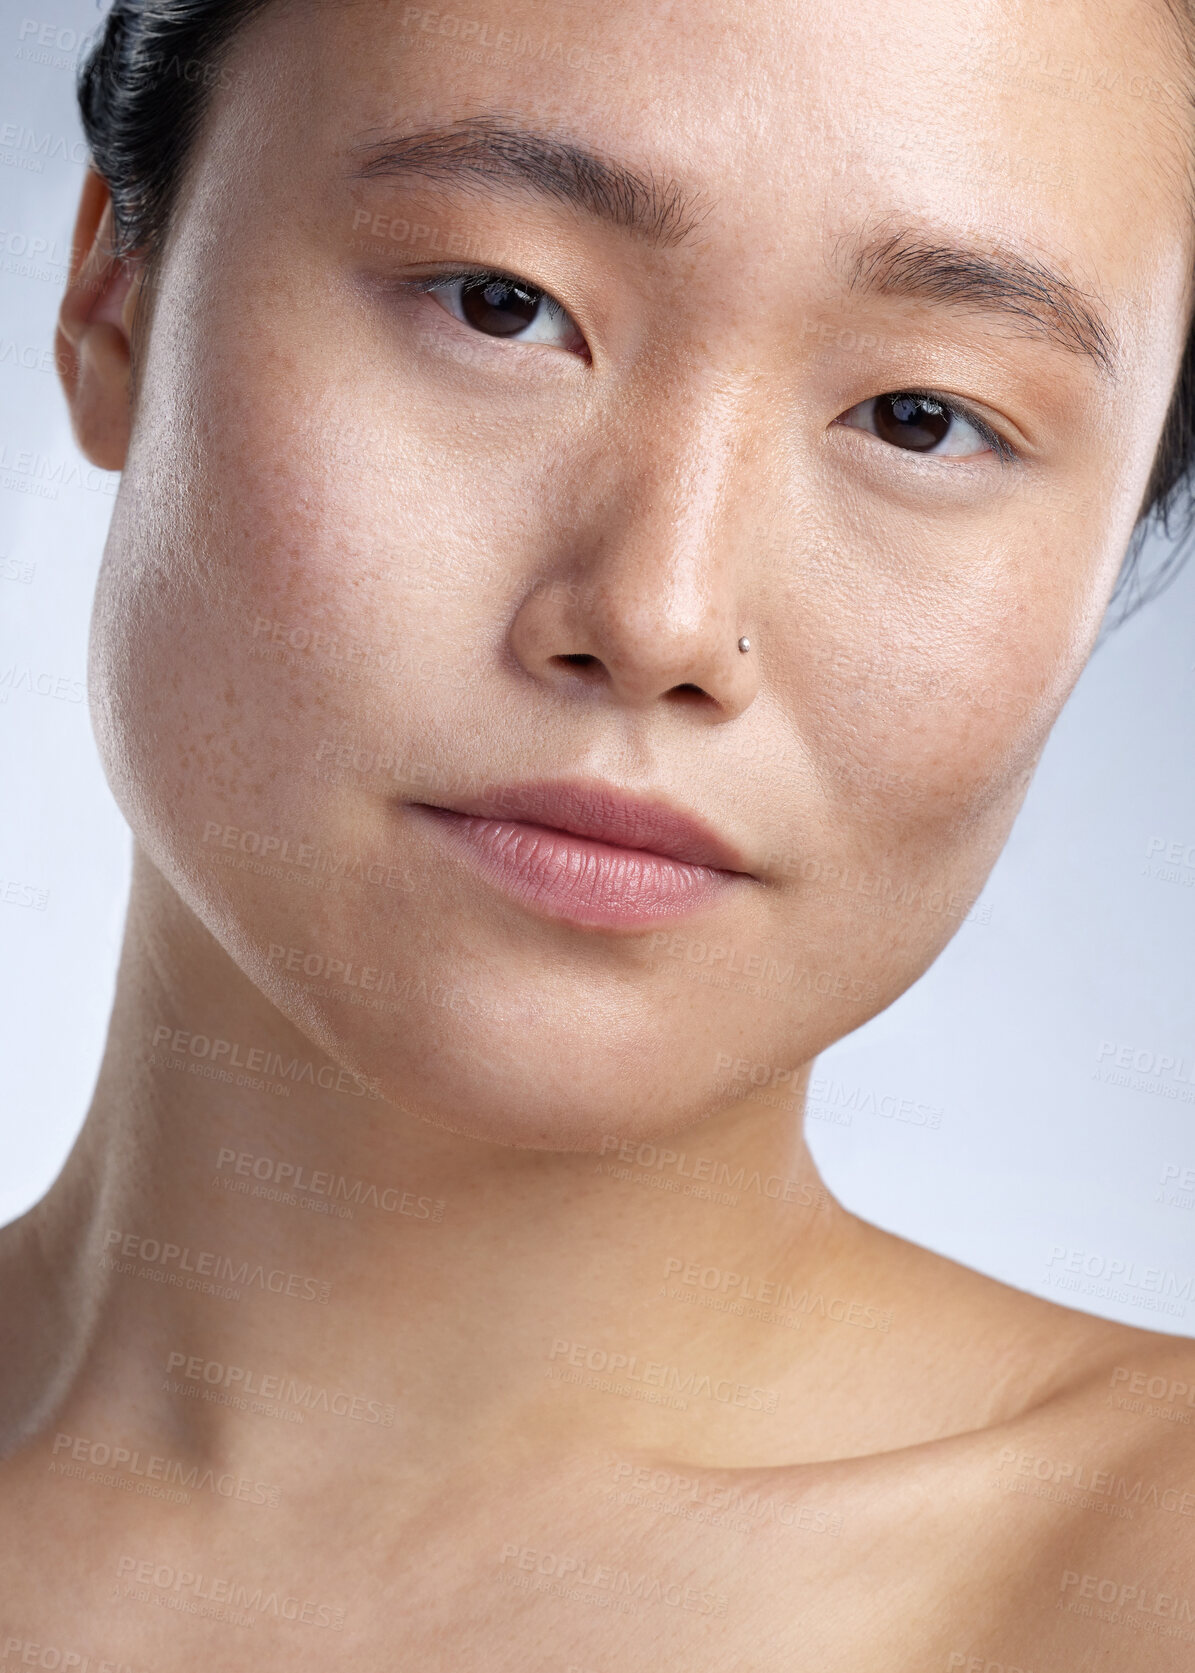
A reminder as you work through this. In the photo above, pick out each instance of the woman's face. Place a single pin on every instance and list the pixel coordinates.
(379, 546)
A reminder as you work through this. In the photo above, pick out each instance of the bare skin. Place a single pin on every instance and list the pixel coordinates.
(596, 1373)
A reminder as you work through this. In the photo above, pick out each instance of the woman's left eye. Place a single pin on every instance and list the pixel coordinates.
(925, 424)
(498, 305)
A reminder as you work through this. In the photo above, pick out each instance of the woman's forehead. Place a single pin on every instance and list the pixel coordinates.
(1061, 103)
(1061, 131)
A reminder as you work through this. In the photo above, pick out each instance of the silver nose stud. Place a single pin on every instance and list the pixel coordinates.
(744, 643)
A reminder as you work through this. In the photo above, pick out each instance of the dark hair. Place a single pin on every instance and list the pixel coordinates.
(143, 89)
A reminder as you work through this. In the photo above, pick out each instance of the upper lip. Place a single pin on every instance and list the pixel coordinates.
(605, 814)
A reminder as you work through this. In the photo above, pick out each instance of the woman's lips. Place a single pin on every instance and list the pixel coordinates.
(578, 874)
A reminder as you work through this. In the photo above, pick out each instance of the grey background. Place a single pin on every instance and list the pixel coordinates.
(1079, 957)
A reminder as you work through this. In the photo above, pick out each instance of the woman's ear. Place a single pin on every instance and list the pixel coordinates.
(93, 341)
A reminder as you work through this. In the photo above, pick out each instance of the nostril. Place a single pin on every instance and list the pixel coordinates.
(578, 659)
(688, 695)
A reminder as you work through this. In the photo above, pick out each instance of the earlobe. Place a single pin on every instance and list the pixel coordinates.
(93, 344)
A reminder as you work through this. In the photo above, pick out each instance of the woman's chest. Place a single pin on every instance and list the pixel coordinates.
(624, 1566)
(886, 1570)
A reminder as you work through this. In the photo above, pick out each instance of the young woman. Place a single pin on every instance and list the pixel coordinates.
(580, 468)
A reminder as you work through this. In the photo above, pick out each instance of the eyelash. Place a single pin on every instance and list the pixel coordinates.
(450, 276)
(454, 275)
(1005, 453)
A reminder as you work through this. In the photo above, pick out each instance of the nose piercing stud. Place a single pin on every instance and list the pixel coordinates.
(744, 643)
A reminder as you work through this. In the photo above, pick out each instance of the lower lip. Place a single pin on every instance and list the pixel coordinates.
(577, 879)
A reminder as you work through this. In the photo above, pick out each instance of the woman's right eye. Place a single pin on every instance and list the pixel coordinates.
(498, 305)
(928, 424)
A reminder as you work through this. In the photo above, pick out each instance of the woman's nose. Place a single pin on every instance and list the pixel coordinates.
(653, 591)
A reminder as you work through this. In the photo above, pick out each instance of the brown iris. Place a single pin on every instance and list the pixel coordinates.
(499, 307)
(912, 421)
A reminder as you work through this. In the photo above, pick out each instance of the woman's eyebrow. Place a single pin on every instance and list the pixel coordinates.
(908, 263)
(494, 149)
(923, 267)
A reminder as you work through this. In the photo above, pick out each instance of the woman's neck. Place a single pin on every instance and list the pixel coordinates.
(241, 1220)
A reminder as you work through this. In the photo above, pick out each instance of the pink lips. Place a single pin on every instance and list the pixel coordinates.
(590, 854)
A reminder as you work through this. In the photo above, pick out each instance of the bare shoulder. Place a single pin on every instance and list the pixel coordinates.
(1137, 1391)
(1123, 1396)
(1058, 1531)
(1116, 1458)
(1152, 1375)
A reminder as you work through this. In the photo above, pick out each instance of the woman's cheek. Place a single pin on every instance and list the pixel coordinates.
(954, 665)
